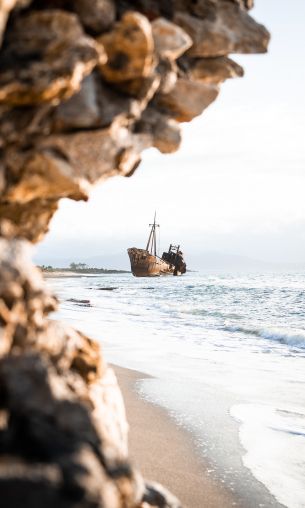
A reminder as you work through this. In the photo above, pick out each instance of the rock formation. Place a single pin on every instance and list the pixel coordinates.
(85, 87)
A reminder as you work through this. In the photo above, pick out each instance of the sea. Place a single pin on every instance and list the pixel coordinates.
(225, 355)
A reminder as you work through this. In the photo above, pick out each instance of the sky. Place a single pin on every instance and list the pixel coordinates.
(235, 187)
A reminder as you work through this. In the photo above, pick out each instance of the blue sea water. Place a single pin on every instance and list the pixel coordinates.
(227, 356)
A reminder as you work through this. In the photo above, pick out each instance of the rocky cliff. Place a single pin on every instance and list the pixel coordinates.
(85, 87)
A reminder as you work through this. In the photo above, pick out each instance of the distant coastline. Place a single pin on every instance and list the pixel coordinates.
(77, 269)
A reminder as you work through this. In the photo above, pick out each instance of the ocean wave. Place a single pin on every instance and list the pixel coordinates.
(199, 311)
(290, 338)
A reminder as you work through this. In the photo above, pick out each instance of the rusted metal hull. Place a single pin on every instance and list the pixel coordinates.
(144, 264)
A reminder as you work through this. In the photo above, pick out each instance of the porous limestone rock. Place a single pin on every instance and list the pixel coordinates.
(45, 58)
(129, 48)
(96, 105)
(156, 496)
(97, 154)
(168, 72)
(187, 99)
(97, 15)
(170, 40)
(46, 175)
(163, 129)
(6, 6)
(228, 29)
(213, 70)
(85, 87)
(27, 220)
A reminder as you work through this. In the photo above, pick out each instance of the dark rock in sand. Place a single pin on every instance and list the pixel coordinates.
(83, 303)
(107, 289)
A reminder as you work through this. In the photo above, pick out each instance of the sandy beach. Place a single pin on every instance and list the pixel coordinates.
(62, 275)
(165, 453)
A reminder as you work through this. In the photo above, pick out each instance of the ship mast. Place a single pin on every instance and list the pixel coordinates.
(152, 241)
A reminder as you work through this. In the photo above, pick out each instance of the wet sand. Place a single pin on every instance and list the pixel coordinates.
(165, 453)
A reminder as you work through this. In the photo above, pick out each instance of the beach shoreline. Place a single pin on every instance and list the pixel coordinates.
(62, 273)
(166, 453)
(206, 374)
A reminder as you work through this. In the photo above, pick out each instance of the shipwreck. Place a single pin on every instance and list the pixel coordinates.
(146, 262)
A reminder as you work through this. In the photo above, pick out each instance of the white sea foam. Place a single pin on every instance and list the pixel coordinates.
(294, 338)
(274, 440)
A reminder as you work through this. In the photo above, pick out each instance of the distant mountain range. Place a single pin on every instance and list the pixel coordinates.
(195, 261)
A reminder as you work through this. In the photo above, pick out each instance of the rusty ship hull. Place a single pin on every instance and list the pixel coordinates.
(145, 264)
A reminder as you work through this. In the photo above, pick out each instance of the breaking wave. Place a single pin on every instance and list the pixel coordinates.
(290, 338)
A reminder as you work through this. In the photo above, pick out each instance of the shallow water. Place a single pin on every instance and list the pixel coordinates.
(228, 355)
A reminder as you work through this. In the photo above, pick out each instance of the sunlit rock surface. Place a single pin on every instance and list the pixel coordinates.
(85, 87)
